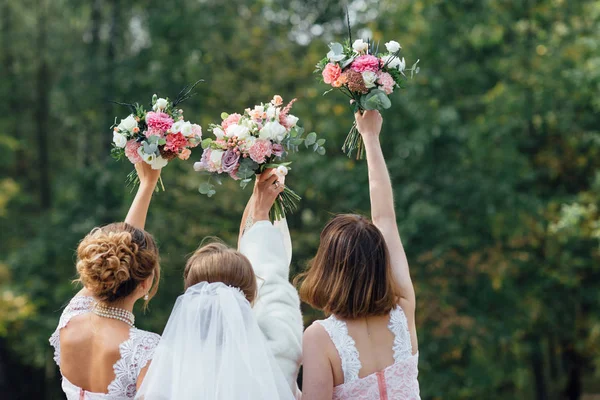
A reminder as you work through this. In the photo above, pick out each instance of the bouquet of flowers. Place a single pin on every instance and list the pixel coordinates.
(155, 137)
(246, 145)
(366, 76)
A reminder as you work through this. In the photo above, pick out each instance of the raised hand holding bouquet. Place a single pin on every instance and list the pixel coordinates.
(246, 145)
(155, 137)
(366, 76)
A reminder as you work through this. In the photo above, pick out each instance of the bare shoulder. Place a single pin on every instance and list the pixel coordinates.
(316, 334)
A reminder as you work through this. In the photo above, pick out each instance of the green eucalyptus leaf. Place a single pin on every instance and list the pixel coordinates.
(321, 142)
(321, 151)
(206, 143)
(376, 100)
(224, 115)
(311, 138)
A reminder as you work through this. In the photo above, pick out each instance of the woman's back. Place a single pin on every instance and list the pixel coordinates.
(99, 358)
(372, 357)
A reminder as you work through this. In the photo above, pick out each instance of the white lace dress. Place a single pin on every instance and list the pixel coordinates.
(397, 382)
(135, 354)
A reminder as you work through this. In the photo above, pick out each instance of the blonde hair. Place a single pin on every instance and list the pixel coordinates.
(215, 262)
(113, 260)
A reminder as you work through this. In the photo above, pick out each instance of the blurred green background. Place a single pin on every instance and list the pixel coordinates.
(494, 152)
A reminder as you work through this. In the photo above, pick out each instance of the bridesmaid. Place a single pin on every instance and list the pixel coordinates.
(367, 348)
(100, 353)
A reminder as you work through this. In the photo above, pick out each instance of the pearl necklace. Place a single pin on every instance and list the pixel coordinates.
(114, 313)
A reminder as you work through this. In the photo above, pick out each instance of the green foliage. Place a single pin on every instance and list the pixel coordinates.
(493, 151)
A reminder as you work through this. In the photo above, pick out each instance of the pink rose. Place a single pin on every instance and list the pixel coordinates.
(153, 132)
(260, 151)
(364, 63)
(386, 82)
(331, 73)
(185, 154)
(131, 151)
(159, 120)
(230, 120)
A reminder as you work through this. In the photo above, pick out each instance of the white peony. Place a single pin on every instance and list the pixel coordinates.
(128, 124)
(273, 131)
(242, 132)
(218, 132)
(159, 162)
(119, 140)
(291, 120)
(215, 158)
(393, 46)
(186, 129)
(160, 104)
(360, 46)
(370, 78)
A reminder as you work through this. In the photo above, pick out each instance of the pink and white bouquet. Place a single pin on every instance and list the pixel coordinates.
(155, 137)
(246, 145)
(366, 76)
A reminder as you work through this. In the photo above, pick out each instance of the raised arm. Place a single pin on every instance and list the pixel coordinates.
(382, 202)
(139, 208)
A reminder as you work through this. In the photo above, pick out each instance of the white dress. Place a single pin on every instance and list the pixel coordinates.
(135, 354)
(277, 307)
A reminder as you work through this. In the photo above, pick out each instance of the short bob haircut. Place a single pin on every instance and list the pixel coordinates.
(350, 277)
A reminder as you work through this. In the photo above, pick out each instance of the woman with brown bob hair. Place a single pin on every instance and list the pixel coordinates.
(367, 348)
(101, 354)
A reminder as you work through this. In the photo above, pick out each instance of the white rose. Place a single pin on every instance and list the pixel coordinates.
(215, 158)
(177, 126)
(393, 46)
(159, 163)
(394, 62)
(248, 142)
(272, 112)
(119, 140)
(360, 46)
(242, 132)
(218, 132)
(369, 77)
(160, 104)
(291, 120)
(186, 129)
(282, 170)
(272, 131)
(128, 123)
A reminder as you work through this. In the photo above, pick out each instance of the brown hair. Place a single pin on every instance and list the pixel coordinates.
(215, 262)
(114, 259)
(350, 276)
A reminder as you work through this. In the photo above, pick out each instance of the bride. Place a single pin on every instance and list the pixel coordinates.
(213, 346)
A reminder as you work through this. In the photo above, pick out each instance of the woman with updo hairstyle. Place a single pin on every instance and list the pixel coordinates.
(100, 353)
(367, 347)
(236, 331)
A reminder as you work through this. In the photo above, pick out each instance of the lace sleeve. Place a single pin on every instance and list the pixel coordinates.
(77, 306)
(345, 345)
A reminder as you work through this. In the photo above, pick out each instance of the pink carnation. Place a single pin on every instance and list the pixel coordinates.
(175, 142)
(159, 120)
(364, 63)
(260, 151)
(131, 151)
(232, 119)
(386, 82)
(331, 73)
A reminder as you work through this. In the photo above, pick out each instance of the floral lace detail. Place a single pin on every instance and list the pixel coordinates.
(345, 345)
(77, 306)
(135, 352)
(399, 327)
(400, 383)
